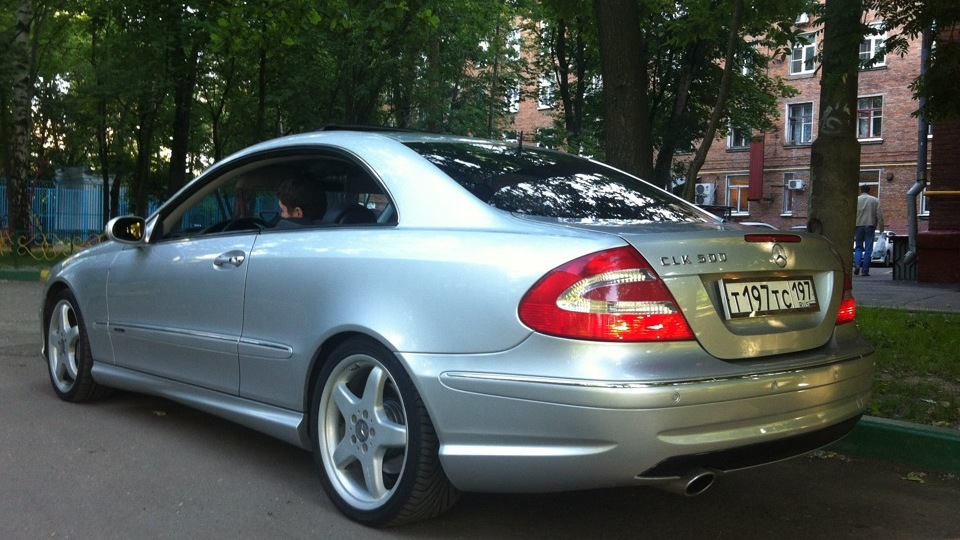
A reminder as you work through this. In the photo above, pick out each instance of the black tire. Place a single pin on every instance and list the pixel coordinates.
(68, 352)
(373, 442)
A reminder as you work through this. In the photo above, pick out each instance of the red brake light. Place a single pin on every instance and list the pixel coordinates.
(848, 306)
(611, 295)
(777, 238)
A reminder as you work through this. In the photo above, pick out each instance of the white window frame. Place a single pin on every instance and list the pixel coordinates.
(870, 45)
(869, 118)
(737, 195)
(545, 93)
(870, 177)
(806, 123)
(803, 57)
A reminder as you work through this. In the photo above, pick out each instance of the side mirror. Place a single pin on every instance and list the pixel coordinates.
(126, 229)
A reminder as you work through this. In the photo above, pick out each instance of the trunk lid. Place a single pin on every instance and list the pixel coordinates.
(748, 294)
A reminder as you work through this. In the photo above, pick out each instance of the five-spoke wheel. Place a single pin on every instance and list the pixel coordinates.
(373, 440)
(68, 352)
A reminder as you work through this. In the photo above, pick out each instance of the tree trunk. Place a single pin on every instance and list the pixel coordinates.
(835, 156)
(623, 61)
(725, 81)
(261, 96)
(141, 174)
(662, 169)
(571, 87)
(18, 198)
(185, 82)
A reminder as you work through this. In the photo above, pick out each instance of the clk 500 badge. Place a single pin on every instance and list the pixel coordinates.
(699, 258)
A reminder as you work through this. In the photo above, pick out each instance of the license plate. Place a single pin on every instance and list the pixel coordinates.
(753, 298)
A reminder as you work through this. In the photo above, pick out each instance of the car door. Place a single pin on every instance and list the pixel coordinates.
(175, 303)
(175, 309)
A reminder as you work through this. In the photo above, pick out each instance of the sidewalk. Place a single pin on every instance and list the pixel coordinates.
(879, 290)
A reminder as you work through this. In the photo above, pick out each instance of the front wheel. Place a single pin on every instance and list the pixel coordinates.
(69, 360)
(373, 441)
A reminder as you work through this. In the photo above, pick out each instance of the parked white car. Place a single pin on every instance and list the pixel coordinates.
(882, 248)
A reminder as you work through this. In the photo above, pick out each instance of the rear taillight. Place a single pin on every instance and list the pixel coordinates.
(848, 306)
(611, 295)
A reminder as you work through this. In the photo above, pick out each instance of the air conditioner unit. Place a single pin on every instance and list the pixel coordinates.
(795, 184)
(705, 193)
(803, 18)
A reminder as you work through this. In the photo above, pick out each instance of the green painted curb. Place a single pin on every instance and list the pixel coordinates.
(23, 274)
(907, 443)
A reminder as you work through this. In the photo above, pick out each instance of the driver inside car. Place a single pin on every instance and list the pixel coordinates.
(302, 200)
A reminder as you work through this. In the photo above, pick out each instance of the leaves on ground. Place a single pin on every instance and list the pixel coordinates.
(918, 477)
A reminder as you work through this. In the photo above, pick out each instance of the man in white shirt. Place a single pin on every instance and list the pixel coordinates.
(869, 220)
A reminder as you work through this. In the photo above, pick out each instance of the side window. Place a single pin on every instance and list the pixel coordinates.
(319, 191)
(354, 198)
(221, 205)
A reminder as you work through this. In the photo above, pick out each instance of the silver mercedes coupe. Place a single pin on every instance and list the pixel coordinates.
(433, 314)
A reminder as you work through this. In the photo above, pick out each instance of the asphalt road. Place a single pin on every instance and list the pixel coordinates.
(138, 467)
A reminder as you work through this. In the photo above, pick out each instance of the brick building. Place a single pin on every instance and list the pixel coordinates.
(887, 132)
(939, 246)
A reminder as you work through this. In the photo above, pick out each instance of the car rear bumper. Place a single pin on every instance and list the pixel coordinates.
(505, 432)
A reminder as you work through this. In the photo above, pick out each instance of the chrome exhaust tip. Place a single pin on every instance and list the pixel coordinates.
(691, 484)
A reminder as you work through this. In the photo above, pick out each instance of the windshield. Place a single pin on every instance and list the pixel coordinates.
(544, 183)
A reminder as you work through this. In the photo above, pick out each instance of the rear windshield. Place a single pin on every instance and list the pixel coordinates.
(544, 183)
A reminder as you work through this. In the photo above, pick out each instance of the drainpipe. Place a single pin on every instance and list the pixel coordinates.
(922, 127)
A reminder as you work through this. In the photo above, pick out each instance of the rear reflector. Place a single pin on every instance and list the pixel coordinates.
(612, 295)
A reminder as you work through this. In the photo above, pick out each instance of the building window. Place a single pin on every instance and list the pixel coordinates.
(793, 184)
(545, 93)
(870, 177)
(737, 186)
(739, 137)
(870, 47)
(512, 99)
(803, 56)
(870, 117)
(800, 123)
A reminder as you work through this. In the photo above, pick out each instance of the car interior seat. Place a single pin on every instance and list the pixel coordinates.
(348, 214)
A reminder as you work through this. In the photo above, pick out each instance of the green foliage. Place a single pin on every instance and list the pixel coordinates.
(108, 73)
(905, 20)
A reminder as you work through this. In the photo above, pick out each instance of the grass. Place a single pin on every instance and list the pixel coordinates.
(918, 365)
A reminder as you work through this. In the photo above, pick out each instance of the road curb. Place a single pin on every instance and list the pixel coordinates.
(907, 443)
(23, 274)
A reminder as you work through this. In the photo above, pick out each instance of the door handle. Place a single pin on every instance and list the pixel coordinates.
(233, 258)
